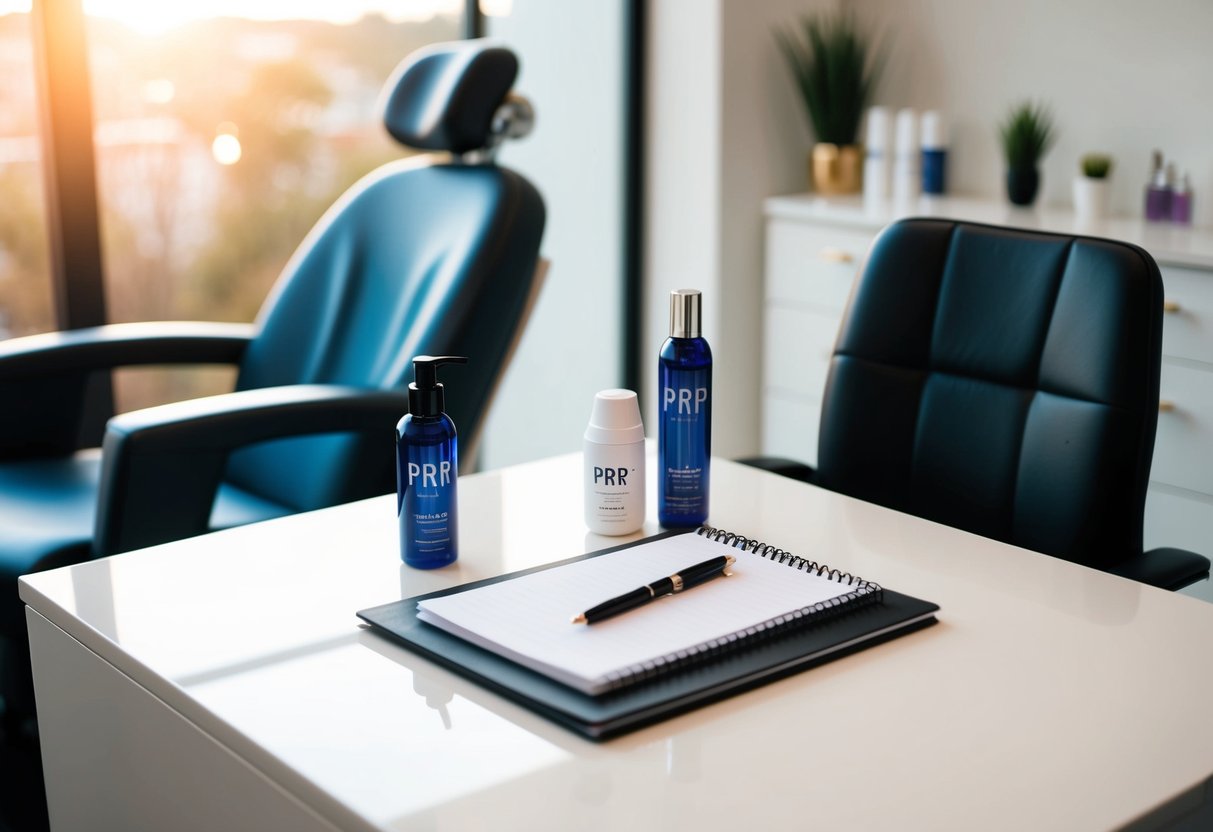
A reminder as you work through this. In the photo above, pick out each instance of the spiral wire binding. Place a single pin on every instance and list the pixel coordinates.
(776, 554)
(865, 593)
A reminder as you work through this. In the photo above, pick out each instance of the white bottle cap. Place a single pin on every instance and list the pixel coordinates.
(934, 131)
(615, 419)
(907, 133)
(878, 130)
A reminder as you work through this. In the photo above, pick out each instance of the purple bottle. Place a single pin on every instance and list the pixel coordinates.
(1158, 193)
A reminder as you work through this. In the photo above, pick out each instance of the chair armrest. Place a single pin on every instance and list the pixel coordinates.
(46, 374)
(162, 466)
(1165, 568)
(784, 467)
(118, 345)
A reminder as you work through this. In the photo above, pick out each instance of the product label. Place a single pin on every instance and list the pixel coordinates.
(684, 443)
(431, 531)
(432, 475)
(684, 401)
(427, 502)
(614, 488)
(611, 476)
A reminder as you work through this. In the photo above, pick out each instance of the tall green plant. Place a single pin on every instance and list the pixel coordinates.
(836, 68)
(1027, 133)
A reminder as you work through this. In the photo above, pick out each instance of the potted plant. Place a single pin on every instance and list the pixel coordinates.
(1091, 188)
(1027, 134)
(836, 69)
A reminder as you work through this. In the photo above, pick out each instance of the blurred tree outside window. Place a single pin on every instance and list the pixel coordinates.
(25, 283)
(223, 131)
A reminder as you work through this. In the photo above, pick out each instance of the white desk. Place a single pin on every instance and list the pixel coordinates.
(224, 683)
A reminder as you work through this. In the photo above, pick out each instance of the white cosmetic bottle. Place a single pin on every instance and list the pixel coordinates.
(907, 178)
(614, 464)
(877, 150)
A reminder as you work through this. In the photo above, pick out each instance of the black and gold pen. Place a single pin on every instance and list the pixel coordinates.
(679, 581)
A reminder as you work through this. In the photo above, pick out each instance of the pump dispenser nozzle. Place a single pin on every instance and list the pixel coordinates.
(425, 393)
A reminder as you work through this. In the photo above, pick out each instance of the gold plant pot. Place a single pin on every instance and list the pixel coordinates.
(836, 170)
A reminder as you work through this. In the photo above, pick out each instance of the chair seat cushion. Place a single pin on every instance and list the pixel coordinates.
(1165, 567)
(47, 508)
(46, 520)
(236, 507)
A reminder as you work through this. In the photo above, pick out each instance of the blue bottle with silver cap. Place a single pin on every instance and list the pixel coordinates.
(684, 439)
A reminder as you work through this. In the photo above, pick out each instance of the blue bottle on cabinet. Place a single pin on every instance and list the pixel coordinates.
(684, 440)
(427, 464)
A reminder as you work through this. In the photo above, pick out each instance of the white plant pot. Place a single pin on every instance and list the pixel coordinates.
(1091, 198)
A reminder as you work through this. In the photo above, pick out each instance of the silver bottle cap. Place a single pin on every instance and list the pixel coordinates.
(685, 313)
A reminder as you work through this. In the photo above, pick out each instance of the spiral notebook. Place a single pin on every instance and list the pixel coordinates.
(777, 614)
(527, 619)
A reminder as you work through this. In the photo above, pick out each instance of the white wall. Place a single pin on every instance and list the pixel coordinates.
(682, 178)
(573, 61)
(724, 131)
(1122, 76)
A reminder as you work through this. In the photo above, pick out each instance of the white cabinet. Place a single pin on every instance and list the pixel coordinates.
(1179, 508)
(810, 270)
(816, 246)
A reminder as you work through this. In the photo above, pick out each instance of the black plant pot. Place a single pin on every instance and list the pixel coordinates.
(1022, 184)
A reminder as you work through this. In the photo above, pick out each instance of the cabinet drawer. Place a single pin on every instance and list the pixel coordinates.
(796, 350)
(1187, 324)
(789, 427)
(1183, 447)
(816, 266)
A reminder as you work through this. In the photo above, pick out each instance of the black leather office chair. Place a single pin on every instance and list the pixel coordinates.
(1004, 382)
(422, 256)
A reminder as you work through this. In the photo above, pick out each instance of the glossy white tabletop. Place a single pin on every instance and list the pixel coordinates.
(1049, 696)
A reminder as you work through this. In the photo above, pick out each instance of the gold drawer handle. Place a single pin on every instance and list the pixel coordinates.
(835, 255)
(1171, 306)
(1165, 406)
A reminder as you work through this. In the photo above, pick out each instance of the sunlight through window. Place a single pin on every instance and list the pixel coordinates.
(226, 149)
(200, 217)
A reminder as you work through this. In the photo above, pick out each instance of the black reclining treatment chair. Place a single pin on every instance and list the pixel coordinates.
(1004, 382)
(434, 255)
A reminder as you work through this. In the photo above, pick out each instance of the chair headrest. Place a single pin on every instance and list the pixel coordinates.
(444, 97)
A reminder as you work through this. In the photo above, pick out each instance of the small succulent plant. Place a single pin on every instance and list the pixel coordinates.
(1096, 165)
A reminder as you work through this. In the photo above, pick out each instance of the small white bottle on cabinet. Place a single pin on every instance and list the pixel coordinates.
(614, 464)
(876, 166)
(907, 178)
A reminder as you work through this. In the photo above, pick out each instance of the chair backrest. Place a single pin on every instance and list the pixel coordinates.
(419, 257)
(1000, 381)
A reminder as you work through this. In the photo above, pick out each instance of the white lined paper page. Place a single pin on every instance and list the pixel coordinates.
(527, 619)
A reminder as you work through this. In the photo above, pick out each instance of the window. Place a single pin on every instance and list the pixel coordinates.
(577, 157)
(223, 131)
(25, 286)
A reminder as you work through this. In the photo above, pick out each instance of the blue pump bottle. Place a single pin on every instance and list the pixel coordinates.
(427, 463)
(684, 440)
